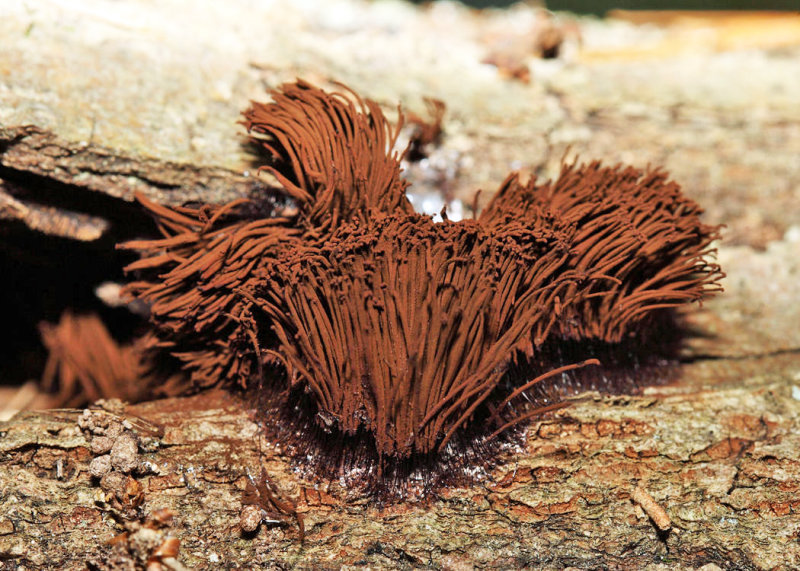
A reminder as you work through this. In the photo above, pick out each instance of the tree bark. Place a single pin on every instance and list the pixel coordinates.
(32, 158)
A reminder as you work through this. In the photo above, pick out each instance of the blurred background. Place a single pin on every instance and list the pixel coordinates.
(601, 7)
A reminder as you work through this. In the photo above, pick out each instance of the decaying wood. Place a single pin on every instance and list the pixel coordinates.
(723, 464)
(33, 160)
(719, 452)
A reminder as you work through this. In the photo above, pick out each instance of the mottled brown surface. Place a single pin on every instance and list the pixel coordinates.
(721, 460)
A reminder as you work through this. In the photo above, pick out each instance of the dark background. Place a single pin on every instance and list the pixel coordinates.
(600, 7)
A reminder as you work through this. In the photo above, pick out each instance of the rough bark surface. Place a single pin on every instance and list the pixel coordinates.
(32, 158)
(123, 99)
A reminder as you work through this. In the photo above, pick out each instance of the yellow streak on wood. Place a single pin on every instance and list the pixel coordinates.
(693, 31)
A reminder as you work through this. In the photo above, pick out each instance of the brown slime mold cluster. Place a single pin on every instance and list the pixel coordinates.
(391, 325)
(85, 363)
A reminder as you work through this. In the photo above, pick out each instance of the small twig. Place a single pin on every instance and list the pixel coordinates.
(653, 510)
